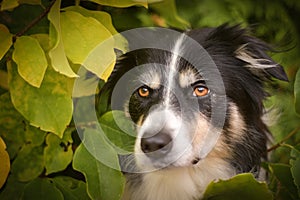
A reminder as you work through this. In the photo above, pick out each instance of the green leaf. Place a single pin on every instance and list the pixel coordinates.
(85, 85)
(170, 14)
(13, 189)
(44, 40)
(83, 107)
(9, 4)
(297, 92)
(120, 133)
(242, 186)
(5, 40)
(72, 189)
(121, 4)
(31, 60)
(42, 188)
(34, 136)
(295, 166)
(58, 154)
(57, 54)
(102, 102)
(11, 126)
(103, 182)
(3, 80)
(5, 163)
(32, 2)
(29, 163)
(214, 13)
(88, 42)
(283, 174)
(105, 19)
(48, 107)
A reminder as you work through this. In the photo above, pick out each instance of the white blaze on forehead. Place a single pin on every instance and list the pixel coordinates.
(173, 66)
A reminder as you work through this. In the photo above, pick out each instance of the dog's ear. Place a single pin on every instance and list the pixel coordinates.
(251, 50)
(254, 52)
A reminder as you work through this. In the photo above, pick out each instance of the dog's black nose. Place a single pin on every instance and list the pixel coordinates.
(158, 144)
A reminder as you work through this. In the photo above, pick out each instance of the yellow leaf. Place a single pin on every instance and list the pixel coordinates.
(105, 19)
(123, 3)
(31, 60)
(5, 163)
(57, 54)
(43, 39)
(88, 42)
(5, 40)
(101, 60)
(9, 4)
(48, 107)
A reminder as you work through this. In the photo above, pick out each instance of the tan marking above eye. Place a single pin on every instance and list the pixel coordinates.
(186, 78)
(143, 91)
(200, 91)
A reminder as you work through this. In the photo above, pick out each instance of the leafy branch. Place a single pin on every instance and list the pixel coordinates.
(35, 21)
(279, 144)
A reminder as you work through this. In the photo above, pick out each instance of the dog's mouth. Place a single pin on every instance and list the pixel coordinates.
(193, 163)
(167, 161)
(196, 161)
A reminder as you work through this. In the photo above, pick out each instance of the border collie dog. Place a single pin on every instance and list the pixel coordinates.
(198, 113)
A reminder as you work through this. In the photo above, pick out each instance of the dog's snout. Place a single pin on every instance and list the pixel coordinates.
(161, 143)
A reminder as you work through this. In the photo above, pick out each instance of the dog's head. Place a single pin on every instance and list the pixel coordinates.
(186, 112)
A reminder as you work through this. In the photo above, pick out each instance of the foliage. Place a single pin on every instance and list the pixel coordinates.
(235, 187)
(41, 54)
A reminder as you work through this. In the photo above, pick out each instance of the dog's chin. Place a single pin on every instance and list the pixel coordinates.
(192, 163)
(148, 165)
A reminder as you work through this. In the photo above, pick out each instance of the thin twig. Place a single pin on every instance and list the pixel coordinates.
(35, 21)
(284, 139)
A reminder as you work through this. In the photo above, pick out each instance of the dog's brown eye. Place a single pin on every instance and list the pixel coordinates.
(143, 91)
(200, 91)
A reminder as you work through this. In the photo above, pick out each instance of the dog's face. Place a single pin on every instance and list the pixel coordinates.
(184, 114)
(172, 111)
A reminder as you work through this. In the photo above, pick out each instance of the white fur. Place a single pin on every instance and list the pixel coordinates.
(183, 183)
(237, 123)
(150, 78)
(181, 150)
(245, 55)
(173, 67)
(187, 78)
